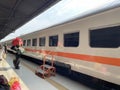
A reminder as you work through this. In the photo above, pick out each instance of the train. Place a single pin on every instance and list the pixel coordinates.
(87, 47)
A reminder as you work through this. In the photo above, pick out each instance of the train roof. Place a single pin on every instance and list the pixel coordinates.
(87, 14)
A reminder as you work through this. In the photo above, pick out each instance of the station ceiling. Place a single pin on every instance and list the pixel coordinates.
(15, 13)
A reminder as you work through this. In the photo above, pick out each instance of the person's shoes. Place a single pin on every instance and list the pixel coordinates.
(17, 67)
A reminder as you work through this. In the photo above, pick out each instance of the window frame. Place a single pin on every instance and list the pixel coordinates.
(42, 44)
(29, 44)
(56, 44)
(34, 43)
(69, 33)
(105, 39)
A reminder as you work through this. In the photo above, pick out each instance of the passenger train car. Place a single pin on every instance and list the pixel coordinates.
(88, 45)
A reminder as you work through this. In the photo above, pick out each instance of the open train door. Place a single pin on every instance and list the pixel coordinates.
(17, 41)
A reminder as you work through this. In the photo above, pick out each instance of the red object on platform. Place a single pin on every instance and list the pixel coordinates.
(16, 86)
(17, 41)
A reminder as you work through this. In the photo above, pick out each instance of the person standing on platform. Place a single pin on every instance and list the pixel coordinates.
(5, 48)
(2, 53)
(19, 51)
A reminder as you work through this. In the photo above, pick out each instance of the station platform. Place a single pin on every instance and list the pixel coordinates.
(28, 80)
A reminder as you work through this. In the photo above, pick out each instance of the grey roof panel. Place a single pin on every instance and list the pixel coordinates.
(15, 13)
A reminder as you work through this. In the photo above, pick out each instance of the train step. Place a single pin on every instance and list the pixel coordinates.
(45, 71)
(41, 73)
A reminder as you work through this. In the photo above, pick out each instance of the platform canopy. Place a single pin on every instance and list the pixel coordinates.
(15, 13)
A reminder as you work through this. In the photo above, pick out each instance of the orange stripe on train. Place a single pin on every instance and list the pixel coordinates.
(90, 58)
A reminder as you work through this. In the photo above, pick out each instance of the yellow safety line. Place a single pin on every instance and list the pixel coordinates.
(55, 84)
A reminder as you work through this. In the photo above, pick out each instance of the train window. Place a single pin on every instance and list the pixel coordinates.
(24, 42)
(53, 40)
(71, 39)
(28, 42)
(42, 41)
(105, 37)
(34, 42)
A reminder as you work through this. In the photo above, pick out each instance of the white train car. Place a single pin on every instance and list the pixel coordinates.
(90, 45)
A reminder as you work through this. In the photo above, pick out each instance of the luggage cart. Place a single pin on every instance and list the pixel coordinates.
(45, 70)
